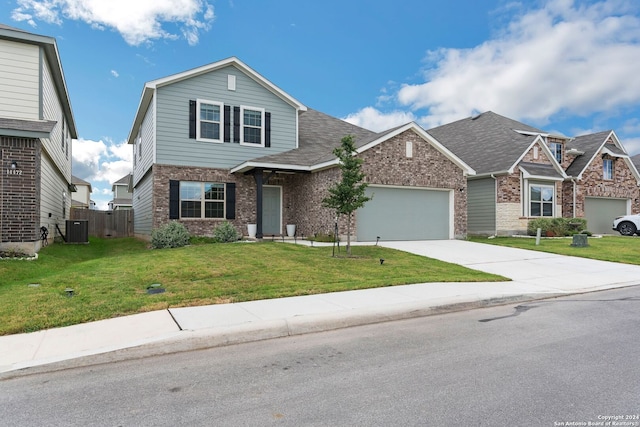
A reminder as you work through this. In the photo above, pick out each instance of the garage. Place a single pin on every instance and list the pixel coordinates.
(397, 213)
(600, 213)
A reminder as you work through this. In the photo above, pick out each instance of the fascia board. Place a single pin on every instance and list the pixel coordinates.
(239, 64)
(143, 106)
(546, 150)
(244, 167)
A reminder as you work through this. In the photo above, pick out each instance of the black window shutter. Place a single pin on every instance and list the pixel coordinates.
(231, 200)
(236, 124)
(267, 129)
(192, 119)
(227, 123)
(174, 199)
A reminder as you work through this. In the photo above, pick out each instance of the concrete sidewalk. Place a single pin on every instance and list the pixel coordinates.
(535, 275)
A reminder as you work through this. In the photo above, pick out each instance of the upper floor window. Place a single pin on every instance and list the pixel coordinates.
(252, 127)
(201, 200)
(209, 120)
(541, 200)
(607, 169)
(556, 149)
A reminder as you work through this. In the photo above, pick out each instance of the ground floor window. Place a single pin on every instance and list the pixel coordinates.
(201, 199)
(541, 200)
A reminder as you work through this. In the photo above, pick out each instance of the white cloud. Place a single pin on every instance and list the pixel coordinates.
(115, 74)
(137, 21)
(373, 119)
(101, 163)
(566, 57)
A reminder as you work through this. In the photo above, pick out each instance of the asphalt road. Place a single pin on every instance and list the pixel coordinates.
(547, 363)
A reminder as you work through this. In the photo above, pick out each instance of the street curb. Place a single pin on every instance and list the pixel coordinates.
(203, 339)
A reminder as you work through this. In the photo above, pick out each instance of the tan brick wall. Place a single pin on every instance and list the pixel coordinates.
(623, 186)
(302, 194)
(245, 196)
(385, 164)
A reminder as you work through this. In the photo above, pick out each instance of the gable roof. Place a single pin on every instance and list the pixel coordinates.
(488, 142)
(50, 49)
(636, 161)
(77, 181)
(320, 134)
(593, 145)
(150, 88)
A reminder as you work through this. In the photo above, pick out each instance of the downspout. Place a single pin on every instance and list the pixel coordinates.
(495, 201)
(573, 180)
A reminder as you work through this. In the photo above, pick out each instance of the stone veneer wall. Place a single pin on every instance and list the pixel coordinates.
(622, 186)
(384, 164)
(19, 194)
(509, 219)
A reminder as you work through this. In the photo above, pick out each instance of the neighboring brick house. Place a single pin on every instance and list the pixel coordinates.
(36, 129)
(220, 142)
(122, 194)
(602, 180)
(524, 173)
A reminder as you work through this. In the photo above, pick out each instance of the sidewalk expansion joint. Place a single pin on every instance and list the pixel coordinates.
(174, 319)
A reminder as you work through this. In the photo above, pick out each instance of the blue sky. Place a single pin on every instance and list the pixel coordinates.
(566, 66)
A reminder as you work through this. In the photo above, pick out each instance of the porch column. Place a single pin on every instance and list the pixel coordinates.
(257, 175)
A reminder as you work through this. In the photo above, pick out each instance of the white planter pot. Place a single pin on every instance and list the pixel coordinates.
(252, 229)
(291, 230)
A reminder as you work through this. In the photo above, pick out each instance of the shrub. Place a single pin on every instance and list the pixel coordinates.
(226, 233)
(171, 235)
(324, 238)
(557, 226)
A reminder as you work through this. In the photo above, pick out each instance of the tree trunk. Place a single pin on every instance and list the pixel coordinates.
(349, 234)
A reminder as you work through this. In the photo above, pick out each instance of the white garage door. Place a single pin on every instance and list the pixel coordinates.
(404, 214)
(601, 212)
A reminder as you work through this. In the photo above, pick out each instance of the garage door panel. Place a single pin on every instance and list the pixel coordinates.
(600, 213)
(404, 214)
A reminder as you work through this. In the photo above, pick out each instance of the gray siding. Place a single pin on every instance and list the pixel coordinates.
(143, 150)
(19, 80)
(142, 206)
(173, 145)
(53, 190)
(481, 206)
(58, 146)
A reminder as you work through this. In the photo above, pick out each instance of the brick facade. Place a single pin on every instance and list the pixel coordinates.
(622, 186)
(302, 193)
(20, 194)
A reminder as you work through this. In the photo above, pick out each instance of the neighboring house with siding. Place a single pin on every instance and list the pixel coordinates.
(36, 129)
(122, 194)
(524, 173)
(221, 142)
(81, 194)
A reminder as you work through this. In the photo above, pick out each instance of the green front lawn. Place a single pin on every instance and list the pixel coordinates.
(110, 277)
(609, 248)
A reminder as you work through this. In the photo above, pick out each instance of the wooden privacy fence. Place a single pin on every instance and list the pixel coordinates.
(118, 223)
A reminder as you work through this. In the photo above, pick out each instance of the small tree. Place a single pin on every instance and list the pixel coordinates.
(347, 195)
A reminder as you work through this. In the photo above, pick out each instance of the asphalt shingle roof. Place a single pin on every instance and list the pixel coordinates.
(589, 144)
(38, 126)
(488, 142)
(538, 169)
(319, 135)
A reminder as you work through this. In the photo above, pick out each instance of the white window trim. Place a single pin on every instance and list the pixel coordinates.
(553, 202)
(262, 132)
(203, 202)
(604, 176)
(221, 122)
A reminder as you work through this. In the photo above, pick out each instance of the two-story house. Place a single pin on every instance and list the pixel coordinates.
(523, 173)
(221, 142)
(36, 129)
(81, 196)
(122, 194)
